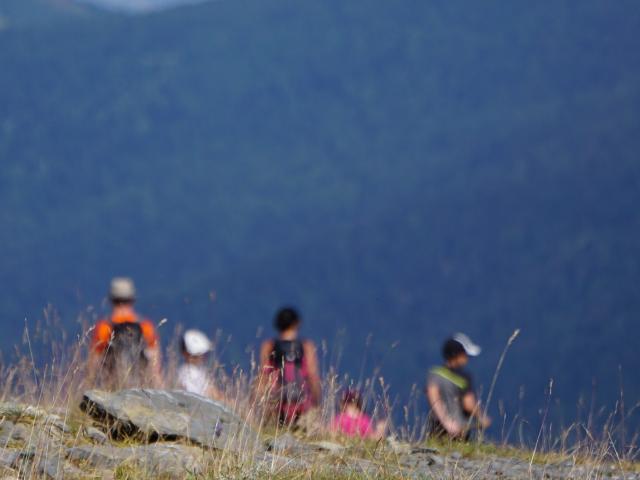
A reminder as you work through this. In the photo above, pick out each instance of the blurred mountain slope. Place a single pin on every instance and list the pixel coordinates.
(406, 169)
(41, 13)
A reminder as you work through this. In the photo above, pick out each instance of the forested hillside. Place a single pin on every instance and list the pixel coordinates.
(24, 14)
(406, 169)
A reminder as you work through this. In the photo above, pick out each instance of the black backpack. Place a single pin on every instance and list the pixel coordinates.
(287, 357)
(125, 361)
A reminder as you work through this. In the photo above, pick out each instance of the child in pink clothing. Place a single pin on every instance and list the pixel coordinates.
(352, 421)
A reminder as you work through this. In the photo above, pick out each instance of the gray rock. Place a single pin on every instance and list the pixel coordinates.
(290, 445)
(175, 460)
(170, 415)
(370, 469)
(10, 431)
(469, 465)
(8, 457)
(95, 435)
(44, 426)
(330, 447)
(55, 467)
(33, 462)
(425, 450)
(397, 446)
(436, 460)
(99, 456)
(270, 463)
(168, 459)
(421, 459)
(17, 411)
(57, 422)
(285, 443)
(456, 455)
(18, 460)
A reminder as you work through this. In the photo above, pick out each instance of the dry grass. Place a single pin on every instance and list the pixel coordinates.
(54, 384)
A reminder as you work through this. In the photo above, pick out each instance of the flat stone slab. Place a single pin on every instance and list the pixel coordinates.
(170, 415)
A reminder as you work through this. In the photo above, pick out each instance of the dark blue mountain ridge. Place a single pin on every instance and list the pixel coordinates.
(406, 169)
(42, 14)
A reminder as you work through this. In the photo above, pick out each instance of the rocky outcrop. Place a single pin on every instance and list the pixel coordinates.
(153, 415)
(152, 434)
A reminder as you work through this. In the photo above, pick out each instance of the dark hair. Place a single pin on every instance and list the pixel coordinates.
(351, 397)
(452, 348)
(119, 302)
(286, 318)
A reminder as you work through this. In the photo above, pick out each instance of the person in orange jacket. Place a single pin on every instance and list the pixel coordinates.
(125, 348)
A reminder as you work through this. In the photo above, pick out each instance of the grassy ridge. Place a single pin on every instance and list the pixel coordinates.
(43, 425)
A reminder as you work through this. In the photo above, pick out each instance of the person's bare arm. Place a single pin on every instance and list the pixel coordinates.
(93, 364)
(378, 432)
(313, 370)
(264, 374)
(100, 336)
(265, 353)
(437, 405)
(155, 365)
(471, 405)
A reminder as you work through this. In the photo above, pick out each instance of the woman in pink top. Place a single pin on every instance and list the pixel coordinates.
(352, 421)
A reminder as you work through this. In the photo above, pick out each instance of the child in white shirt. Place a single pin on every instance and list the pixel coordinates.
(193, 374)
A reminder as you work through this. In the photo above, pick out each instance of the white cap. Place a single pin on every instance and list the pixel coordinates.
(471, 348)
(196, 343)
(123, 289)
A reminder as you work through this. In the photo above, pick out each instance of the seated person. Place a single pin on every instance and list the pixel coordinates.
(454, 406)
(352, 421)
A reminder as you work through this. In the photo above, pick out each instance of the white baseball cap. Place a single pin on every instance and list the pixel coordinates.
(471, 348)
(196, 343)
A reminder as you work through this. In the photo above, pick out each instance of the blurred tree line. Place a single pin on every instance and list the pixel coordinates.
(407, 169)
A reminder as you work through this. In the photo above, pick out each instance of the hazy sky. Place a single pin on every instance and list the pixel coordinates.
(137, 6)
